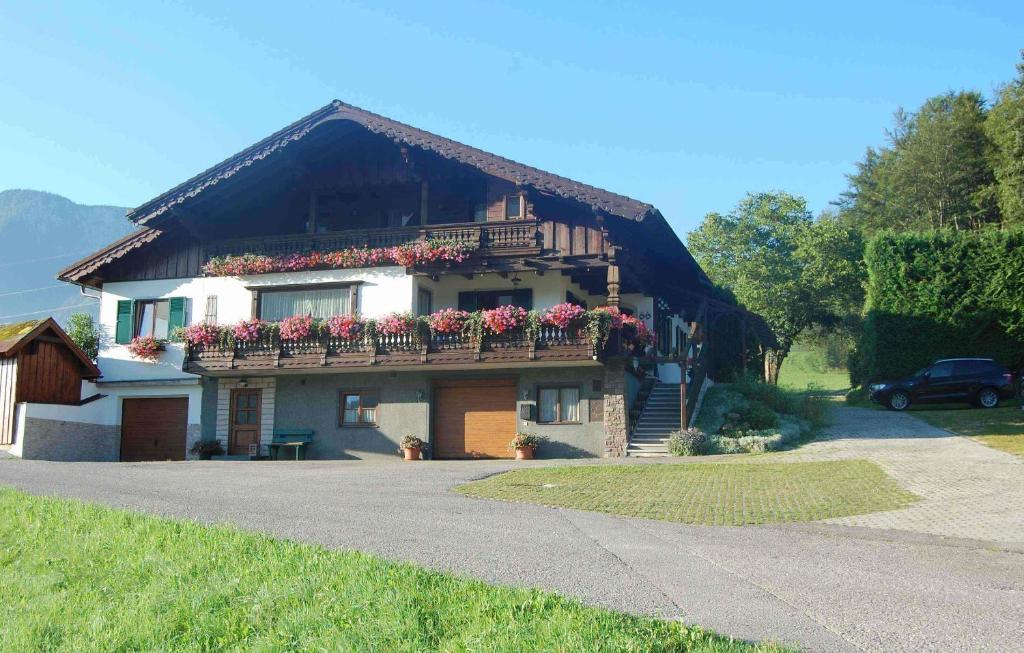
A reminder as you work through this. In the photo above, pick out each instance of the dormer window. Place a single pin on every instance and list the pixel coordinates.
(513, 207)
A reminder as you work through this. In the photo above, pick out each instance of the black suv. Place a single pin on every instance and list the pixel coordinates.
(980, 381)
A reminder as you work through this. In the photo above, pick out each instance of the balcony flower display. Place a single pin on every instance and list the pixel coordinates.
(563, 315)
(145, 347)
(396, 324)
(503, 319)
(348, 327)
(409, 254)
(615, 315)
(447, 321)
(204, 333)
(248, 330)
(637, 332)
(296, 327)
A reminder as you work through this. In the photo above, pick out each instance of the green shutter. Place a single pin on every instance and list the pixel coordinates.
(125, 321)
(176, 314)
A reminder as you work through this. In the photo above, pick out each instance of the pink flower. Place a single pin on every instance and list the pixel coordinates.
(248, 330)
(296, 327)
(348, 327)
(447, 320)
(563, 315)
(396, 324)
(504, 318)
(146, 347)
(204, 333)
(615, 314)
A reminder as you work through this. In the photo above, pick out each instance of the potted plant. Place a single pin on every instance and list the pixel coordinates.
(525, 445)
(412, 446)
(206, 449)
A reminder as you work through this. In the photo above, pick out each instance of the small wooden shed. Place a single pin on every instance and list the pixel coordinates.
(40, 364)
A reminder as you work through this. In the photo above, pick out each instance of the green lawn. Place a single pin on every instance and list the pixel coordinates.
(80, 577)
(804, 367)
(726, 493)
(1001, 428)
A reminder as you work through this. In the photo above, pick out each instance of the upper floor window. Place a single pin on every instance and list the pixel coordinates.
(138, 318)
(488, 299)
(513, 207)
(457, 200)
(275, 305)
(424, 302)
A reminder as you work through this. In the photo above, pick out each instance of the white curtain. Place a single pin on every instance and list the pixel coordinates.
(279, 304)
(570, 407)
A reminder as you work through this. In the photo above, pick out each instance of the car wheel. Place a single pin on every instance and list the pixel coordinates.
(899, 400)
(988, 398)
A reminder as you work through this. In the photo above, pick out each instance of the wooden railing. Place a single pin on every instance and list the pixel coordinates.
(405, 349)
(517, 235)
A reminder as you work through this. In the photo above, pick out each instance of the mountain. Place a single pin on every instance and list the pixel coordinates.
(41, 233)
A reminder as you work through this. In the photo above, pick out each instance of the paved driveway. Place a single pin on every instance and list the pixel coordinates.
(821, 586)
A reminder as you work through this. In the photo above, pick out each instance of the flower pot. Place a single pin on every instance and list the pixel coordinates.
(412, 453)
(524, 453)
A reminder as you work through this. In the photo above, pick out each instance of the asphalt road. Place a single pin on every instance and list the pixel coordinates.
(820, 587)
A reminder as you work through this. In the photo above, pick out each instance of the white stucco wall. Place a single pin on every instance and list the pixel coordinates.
(548, 289)
(382, 290)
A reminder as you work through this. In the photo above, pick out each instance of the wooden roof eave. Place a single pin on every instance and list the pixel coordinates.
(90, 371)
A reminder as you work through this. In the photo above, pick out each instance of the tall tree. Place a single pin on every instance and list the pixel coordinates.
(794, 271)
(935, 173)
(1005, 128)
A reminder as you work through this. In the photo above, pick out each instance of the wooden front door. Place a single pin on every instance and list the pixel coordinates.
(153, 429)
(474, 418)
(245, 421)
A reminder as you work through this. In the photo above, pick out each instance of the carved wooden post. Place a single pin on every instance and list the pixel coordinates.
(613, 285)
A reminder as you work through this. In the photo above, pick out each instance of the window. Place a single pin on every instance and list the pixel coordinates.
(457, 200)
(153, 318)
(210, 316)
(559, 405)
(275, 305)
(941, 370)
(424, 302)
(488, 299)
(358, 408)
(573, 299)
(513, 207)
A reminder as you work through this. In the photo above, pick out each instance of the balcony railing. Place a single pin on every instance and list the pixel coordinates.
(514, 236)
(325, 351)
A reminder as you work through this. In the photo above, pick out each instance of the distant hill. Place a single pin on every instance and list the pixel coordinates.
(40, 233)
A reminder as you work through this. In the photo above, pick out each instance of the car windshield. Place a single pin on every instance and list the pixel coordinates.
(920, 372)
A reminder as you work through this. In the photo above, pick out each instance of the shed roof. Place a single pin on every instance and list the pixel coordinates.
(14, 337)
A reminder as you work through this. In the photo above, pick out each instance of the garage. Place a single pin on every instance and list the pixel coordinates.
(153, 429)
(474, 418)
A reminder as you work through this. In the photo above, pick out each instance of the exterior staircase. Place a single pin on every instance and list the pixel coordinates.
(660, 417)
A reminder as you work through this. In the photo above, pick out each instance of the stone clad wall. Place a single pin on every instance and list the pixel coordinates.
(47, 439)
(616, 412)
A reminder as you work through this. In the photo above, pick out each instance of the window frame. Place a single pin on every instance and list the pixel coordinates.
(259, 291)
(522, 207)
(361, 393)
(137, 321)
(558, 388)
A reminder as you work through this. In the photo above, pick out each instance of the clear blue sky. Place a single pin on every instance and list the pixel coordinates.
(684, 105)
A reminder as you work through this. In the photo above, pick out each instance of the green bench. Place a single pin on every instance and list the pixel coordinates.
(297, 439)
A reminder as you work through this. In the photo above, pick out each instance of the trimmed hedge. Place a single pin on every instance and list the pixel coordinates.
(939, 294)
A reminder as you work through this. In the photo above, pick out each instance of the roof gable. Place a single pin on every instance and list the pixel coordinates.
(492, 164)
(26, 332)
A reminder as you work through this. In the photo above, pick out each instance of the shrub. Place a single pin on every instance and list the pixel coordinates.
(412, 442)
(525, 441)
(691, 442)
(82, 330)
(940, 294)
(759, 416)
(206, 448)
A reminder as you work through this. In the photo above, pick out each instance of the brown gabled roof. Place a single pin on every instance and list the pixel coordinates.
(26, 332)
(492, 164)
(75, 272)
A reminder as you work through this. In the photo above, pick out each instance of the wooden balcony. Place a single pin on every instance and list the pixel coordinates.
(512, 238)
(328, 352)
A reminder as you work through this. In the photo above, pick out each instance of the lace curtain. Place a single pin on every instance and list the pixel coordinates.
(279, 304)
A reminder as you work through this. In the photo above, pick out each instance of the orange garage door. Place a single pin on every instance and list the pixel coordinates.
(153, 429)
(474, 419)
